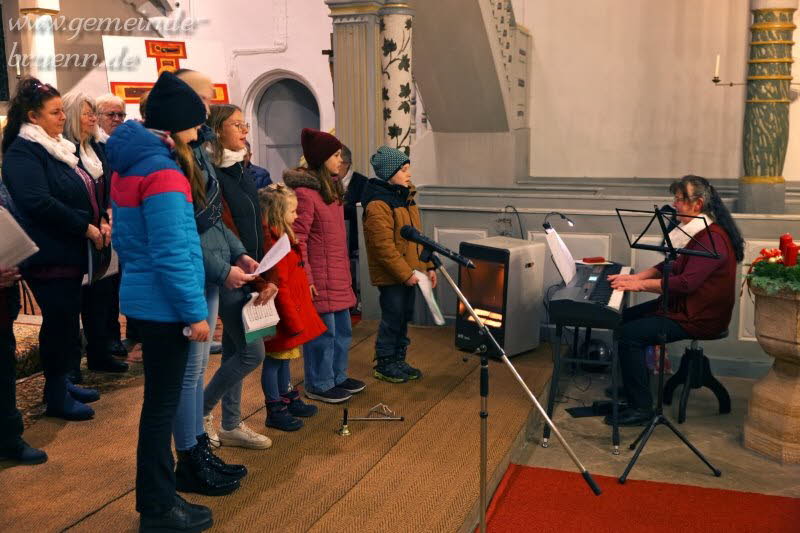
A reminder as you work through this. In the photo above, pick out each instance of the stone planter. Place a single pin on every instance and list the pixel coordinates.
(772, 426)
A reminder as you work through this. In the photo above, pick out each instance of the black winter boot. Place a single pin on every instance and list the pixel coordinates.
(278, 417)
(298, 407)
(183, 517)
(195, 474)
(231, 470)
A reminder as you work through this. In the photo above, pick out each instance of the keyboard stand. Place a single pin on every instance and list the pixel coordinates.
(553, 394)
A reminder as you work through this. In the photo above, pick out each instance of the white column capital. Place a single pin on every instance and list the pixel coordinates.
(354, 8)
(39, 7)
(773, 4)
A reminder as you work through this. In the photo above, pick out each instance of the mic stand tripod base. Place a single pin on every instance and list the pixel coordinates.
(428, 256)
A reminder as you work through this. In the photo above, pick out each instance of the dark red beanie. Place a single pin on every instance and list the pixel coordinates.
(318, 146)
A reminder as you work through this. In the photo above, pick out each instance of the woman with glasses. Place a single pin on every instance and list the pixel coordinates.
(97, 297)
(241, 214)
(702, 290)
(55, 202)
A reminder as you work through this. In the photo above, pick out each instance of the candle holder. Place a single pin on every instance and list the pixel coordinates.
(719, 83)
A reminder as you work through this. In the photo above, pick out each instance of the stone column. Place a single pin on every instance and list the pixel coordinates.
(398, 87)
(357, 77)
(762, 189)
(37, 38)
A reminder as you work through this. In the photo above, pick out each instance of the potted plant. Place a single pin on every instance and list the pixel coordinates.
(772, 426)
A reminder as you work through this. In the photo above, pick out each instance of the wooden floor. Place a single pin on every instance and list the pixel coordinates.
(416, 475)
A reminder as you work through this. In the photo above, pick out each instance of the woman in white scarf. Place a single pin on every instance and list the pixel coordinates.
(98, 299)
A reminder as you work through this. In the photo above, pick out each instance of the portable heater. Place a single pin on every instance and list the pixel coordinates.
(505, 289)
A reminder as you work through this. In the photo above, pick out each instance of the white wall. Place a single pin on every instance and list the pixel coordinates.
(303, 25)
(622, 88)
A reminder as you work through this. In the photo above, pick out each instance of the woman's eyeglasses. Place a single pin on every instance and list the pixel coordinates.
(115, 114)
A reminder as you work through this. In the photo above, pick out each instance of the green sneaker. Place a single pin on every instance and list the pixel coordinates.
(390, 371)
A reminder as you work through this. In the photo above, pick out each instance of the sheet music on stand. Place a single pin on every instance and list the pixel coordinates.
(561, 255)
(259, 320)
(15, 245)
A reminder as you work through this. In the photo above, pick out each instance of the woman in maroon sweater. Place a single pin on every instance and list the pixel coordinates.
(702, 290)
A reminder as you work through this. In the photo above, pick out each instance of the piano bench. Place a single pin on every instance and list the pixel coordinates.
(694, 373)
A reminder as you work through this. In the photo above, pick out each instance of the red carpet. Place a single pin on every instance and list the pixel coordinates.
(541, 499)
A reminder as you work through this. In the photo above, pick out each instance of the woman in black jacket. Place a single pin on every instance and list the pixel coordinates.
(55, 203)
(97, 298)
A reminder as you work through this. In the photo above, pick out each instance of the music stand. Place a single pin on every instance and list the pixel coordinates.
(671, 253)
(429, 255)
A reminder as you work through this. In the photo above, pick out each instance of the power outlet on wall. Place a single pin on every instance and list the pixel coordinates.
(503, 226)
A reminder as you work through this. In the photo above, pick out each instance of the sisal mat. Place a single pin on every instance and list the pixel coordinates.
(416, 475)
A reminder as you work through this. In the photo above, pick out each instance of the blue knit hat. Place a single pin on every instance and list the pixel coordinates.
(387, 161)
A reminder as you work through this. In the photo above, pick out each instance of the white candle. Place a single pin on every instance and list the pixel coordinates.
(716, 68)
(19, 72)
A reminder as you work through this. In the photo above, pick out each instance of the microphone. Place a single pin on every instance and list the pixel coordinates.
(410, 233)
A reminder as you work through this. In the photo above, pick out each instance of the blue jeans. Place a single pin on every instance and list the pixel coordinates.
(325, 358)
(275, 378)
(227, 381)
(189, 418)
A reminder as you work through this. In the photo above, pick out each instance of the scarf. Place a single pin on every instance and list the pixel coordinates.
(91, 162)
(346, 179)
(101, 135)
(680, 237)
(59, 147)
(230, 158)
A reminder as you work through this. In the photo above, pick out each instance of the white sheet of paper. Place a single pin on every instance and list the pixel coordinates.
(561, 255)
(426, 288)
(15, 245)
(275, 254)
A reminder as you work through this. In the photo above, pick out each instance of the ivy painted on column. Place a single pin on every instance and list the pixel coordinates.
(397, 84)
(766, 122)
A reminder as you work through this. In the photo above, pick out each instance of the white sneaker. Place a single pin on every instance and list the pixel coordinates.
(244, 437)
(208, 426)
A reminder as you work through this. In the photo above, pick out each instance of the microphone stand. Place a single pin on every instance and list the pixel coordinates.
(427, 256)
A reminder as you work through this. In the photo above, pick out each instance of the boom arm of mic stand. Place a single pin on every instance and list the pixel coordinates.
(488, 334)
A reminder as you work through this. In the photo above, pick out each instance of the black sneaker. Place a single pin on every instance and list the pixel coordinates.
(411, 372)
(353, 386)
(391, 372)
(332, 395)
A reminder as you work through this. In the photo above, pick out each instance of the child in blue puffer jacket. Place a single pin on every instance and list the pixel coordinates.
(163, 279)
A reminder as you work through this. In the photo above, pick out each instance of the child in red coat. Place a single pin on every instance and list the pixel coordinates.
(299, 322)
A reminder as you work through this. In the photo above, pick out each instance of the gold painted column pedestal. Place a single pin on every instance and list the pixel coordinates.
(762, 189)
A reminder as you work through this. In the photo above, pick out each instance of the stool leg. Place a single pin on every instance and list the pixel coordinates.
(716, 387)
(681, 376)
